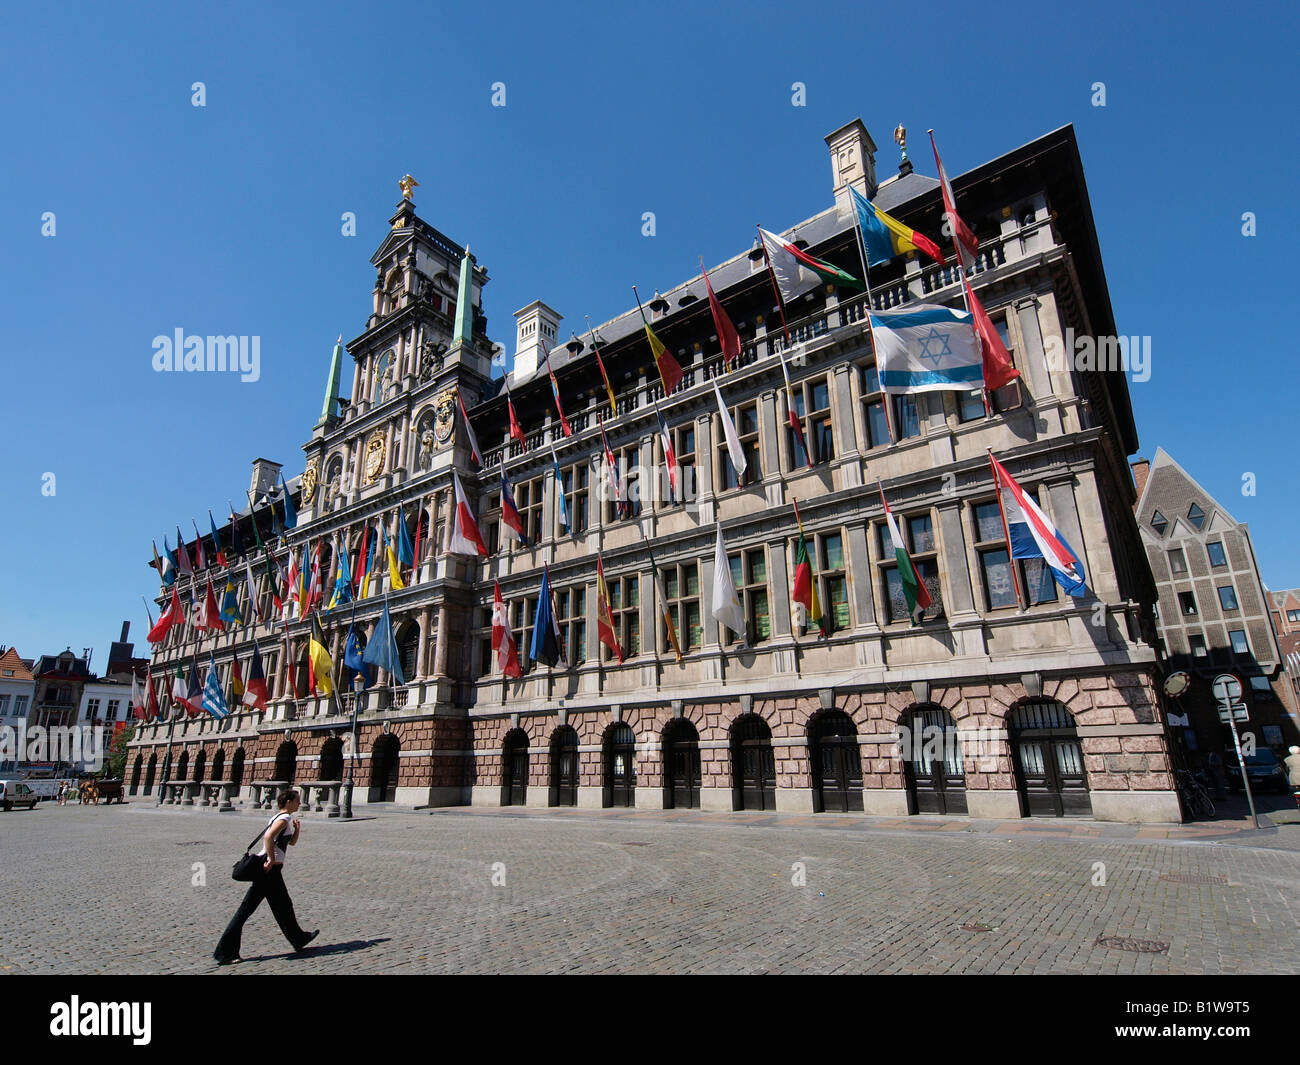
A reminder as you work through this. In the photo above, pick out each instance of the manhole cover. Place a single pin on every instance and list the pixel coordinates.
(970, 926)
(1136, 946)
(636, 844)
(1194, 878)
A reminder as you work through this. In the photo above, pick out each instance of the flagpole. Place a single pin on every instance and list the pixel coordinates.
(148, 613)
(1011, 562)
(726, 368)
(591, 333)
(780, 303)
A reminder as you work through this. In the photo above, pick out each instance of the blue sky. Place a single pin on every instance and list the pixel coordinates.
(226, 218)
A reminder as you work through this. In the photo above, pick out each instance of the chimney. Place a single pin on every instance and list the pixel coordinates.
(126, 629)
(265, 475)
(536, 325)
(853, 162)
(1141, 470)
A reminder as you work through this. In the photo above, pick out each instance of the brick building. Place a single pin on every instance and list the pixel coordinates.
(1033, 702)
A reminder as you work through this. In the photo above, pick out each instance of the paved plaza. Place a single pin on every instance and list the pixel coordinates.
(119, 890)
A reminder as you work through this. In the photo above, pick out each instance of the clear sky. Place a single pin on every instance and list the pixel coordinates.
(226, 218)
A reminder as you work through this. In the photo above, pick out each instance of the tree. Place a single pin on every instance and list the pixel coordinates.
(116, 767)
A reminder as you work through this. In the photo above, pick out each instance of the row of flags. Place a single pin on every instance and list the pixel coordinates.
(1030, 535)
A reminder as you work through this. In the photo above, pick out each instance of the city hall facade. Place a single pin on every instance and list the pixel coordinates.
(1027, 701)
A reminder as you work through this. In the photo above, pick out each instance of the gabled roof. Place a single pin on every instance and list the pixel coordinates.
(10, 660)
(1164, 460)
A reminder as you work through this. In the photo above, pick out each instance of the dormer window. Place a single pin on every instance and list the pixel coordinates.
(1196, 516)
(1159, 522)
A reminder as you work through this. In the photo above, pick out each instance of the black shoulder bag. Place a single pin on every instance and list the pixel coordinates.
(250, 865)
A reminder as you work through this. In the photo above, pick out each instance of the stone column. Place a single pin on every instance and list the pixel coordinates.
(440, 653)
(422, 664)
(1035, 361)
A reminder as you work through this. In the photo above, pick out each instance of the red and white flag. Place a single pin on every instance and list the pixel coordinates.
(212, 616)
(174, 615)
(515, 431)
(138, 699)
(465, 536)
(474, 452)
(998, 369)
(727, 335)
(963, 239)
(503, 640)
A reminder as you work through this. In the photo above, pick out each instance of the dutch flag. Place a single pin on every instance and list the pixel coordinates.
(1031, 535)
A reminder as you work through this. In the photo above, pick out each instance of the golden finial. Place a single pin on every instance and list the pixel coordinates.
(406, 185)
(900, 138)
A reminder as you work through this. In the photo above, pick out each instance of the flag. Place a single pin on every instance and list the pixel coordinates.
(216, 542)
(236, 543)
(180, 687)
(796, 271)
(277, 527)
(727, 335)
(230, 605)
(515, 431)
(395, 582)
(172, 616)
(963, 239)
(361, 557)
(670, 372)
(200, 555)
(321, 666)
(211, 615)
(926, 348)
(792, 415)
(1031, 535)
(559, 495)
(214, 699)
(343, 582)
(382, 649)
(182, 555)
(510, 516)
(667, 613)
(604, 615)
(726, 603)
(255, 693)
(314, 585)
(805, 582)
(137, 699)
(374, 562)
(998, 369)
(474, 452)
(292, 579)
(237, 687)
(405, 550)
(885, 237)
(503, 640)
(290, 516)
(352, 654)
(251, 585)
(670, 456)
(620, 507)
(166, 566)
(419, 521)
(914, 590)
(545, 646)
(154, 710)
(734, 451)
(613, 407)
(555, 391)
(193, 700)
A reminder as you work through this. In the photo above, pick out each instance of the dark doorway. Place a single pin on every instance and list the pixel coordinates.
(1049, 761)
(183, 766)
(331, 759)
(932, 763)
(681, 766)
(286, 762)
(620, 765)
(836, 763)
(383, 769)
(135, 773)
(218, 764)
(237, 768)
(514, 769)
(753, 766)
(150, 772)
(564, 767)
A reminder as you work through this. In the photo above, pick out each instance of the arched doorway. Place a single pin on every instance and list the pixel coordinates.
(681, 753)
(200, 765)
(932, 762)
(619, 757)
(408, 645)
(136, 768)
(836, 763)
(753, 766)
(564, 767)
(150, 772)
(331, 759)
(218, 764)
(514, 768)
(237, 769)
(286, 762)
(183, 766)
(383, 769)
(1048, 761)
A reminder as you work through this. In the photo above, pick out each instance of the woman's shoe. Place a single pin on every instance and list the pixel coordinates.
(310, 937)
(230, 961)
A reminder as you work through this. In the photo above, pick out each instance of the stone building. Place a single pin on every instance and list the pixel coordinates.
(1213, 610)
(1029, 701)
(17, 686)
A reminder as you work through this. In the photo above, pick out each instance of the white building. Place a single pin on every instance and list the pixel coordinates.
(17, 687)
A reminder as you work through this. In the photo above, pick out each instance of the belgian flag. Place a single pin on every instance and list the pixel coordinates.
(321, 666)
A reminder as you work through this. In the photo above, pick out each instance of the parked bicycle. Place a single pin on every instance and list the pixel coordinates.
(1196, 799)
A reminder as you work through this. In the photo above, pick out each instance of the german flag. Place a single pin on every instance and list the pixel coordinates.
(320, 665)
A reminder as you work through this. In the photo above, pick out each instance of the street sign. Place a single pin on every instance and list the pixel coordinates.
(1226, 688)
(1239, 712)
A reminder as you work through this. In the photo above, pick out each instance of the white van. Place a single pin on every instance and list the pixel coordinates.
(17, 793)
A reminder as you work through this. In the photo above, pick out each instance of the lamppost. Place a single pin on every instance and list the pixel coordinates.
(167, 758)
(358, 682)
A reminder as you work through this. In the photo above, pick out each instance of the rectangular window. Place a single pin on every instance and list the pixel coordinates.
(20, 706)
(1215, 551)
(970, 405)
(1177, 561)
(682, 588)
(745, 418)
(873, 408)
(529, 498)
(684, 446)
(1007, 397)
(625, 606)
(918, 536)
(826, 552)
(1293, 615)
(1239, 644)
(907, 422)
(92, 709)
(571, 613)
(4, 706)
(490, 524)
(1227, 597)
(749, 574)
(629, 469)
(576, 495)
(111, 714)
(994, 561)
(1197, 644)
(1187, 603)
(812, 404)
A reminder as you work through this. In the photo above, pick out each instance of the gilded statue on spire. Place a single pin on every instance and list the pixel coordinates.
(900, 138)
(406, 185)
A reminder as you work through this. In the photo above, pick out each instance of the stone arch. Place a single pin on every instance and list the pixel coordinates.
(753, 764)
(563, 764)
(384, 768)
(514, 768)
(1047, 758)
(618, 765)
(136, 768)
(331, 759)
(286, 762)
(680, 755)
(151, 771)
(835, 762)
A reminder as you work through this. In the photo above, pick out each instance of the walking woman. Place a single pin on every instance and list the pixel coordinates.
(282, 832)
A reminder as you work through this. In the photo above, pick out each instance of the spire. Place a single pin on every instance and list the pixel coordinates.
(465, 302)
(331, 405)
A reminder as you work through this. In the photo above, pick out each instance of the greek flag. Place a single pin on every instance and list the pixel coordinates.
(214, 699)
(925, 348)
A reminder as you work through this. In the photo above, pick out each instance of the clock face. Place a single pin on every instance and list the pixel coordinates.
(308, 483)
(374, 457)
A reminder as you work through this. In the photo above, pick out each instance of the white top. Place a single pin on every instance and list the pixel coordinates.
(280, 840)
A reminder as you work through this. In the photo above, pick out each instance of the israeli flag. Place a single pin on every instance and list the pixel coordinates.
(926, 348)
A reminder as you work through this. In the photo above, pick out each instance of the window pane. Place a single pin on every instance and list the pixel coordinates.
(694, 638)
(922, 533)
(1177, 560)
(1000, 324)
(633, 592)
(633, 634)
(688, 441)
(1227, 598)
(839, 602)
(737, 576)
(997, 579)
(1040, 585)
(1217, 557)
(870, 380)
(834, 551)
(896, 601)
(988, 522)
(757, 567)
(970, 406)
(908, 423)
(692, 579)
(821, 399)
(1239, 644)
(749, 419)
(759, 617)
(877, 426)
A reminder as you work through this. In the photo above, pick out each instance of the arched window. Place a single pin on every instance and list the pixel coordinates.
(1048, 760)
(932, 762)
(286, 762)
